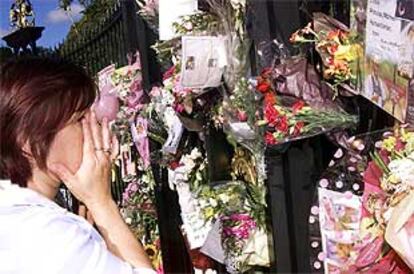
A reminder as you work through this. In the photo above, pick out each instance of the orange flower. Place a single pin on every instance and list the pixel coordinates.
(269, 99)
(264, 86)
(332, 49)
(295, 37)
(334, 35)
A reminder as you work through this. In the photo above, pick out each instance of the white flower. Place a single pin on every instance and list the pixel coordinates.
(199, 177)
(224, 198)
(403, 169)
(212, 202)
(195, 154)
(188, 163)
(128, 220)
(236, 3)
(202, 203)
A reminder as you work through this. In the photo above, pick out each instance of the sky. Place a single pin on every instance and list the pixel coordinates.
(48, 15)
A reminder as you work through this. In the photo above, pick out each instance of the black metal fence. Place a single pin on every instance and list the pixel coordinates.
(121, 32)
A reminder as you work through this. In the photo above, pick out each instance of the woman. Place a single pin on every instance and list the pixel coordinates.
(49, 135)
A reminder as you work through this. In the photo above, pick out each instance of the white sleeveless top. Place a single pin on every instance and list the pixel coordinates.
(39, 237)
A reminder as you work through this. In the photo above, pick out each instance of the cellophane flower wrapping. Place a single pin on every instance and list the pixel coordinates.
(362, 213)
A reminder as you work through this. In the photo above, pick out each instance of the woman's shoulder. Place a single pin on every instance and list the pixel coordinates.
(39, 233)
(25, 212)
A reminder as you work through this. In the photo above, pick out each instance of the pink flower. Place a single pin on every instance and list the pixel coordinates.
(155, 91)
(134, 99)
(134, 187)
(169, 73)
(242, 115)
(179, 108)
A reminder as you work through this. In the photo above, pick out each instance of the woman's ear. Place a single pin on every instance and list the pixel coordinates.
(27, 151)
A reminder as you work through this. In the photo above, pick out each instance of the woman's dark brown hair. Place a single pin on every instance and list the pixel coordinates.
(38, 97)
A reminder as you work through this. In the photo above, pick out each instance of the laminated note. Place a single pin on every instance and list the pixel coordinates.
(203, 61)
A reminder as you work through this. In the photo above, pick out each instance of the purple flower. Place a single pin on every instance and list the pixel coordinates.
(134, 187)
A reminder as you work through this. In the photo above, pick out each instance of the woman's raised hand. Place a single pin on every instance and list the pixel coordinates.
(91, 183)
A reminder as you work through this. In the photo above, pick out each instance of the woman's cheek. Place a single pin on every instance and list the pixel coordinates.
(67, 147)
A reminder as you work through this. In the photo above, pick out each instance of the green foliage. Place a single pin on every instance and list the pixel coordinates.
(93, 16)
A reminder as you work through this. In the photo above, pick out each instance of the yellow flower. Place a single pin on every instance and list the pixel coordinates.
(389, 143)
(393, 179)
(408, 138)
(369, 226)
(151, 251)
(348, 52)
(208, 212)
(153, 254)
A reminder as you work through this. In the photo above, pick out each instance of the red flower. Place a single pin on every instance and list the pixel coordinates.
(266, 72)
(390, 263)
(334, 34)
(179, 107)
(174, 165)
(200, 260)
(242, 115)
(298, 128)
(298, 106)
(332, 49)
(373, 174)
(168, 73)
(283, 125)
(271, 115)
(269, 99)
(269, 138)
(263, 86)
(400, 145)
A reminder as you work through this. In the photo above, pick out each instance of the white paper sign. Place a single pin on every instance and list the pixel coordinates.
(389, 57)
(194, 225)
(175, 131)
(203, 61)
(383, 30)
(170, 11)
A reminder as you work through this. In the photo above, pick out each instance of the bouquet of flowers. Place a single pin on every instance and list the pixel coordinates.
(363, 208)
(138, 211)
(338, 48)
(388, 180)
(121, 101)
(286, 121)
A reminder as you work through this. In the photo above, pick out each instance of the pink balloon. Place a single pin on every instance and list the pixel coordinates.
(106, 90)
(107, 106)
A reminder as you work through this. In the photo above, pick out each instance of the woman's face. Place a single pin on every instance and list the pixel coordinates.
(67, 146)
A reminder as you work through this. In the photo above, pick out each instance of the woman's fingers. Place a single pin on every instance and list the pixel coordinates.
(106, 136)
(63, 173)
(88, 145)
(96, 132)
(114, 148)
